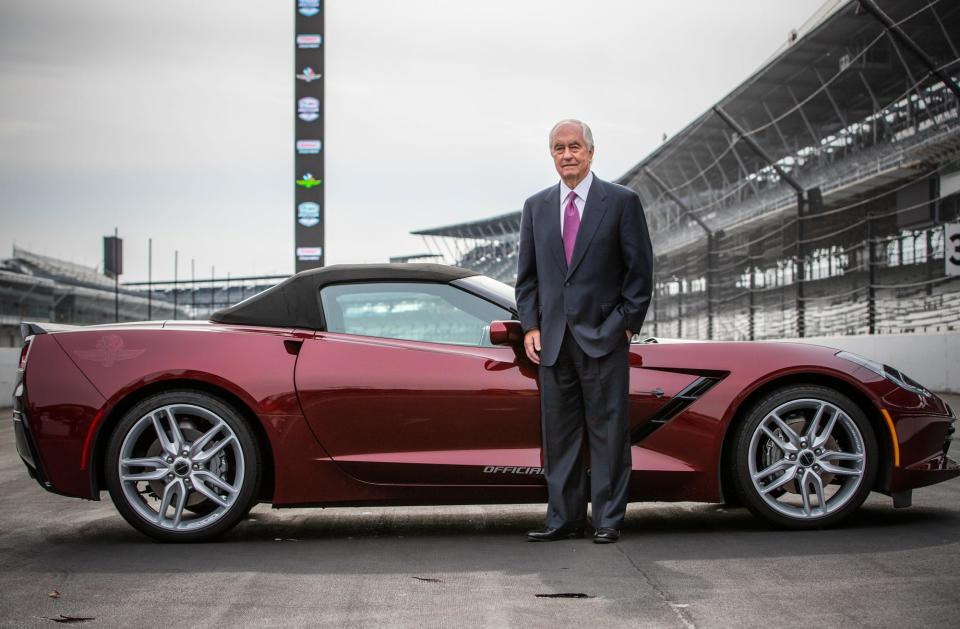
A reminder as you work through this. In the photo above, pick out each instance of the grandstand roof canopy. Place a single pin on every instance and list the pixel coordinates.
(415, 257)
(843, 68)
(34, 264)
(495, 226)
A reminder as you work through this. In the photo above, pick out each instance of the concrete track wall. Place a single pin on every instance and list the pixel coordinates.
(8, 372)
(933, 360)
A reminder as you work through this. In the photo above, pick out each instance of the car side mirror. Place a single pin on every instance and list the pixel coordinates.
(506, 332)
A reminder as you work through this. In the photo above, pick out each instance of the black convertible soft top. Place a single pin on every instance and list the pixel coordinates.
(295, 302)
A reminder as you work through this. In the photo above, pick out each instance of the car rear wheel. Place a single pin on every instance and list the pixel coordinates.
(804, 457)
(182, 466)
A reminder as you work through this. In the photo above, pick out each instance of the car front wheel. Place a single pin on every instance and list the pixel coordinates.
(804, 457)
(182, 466)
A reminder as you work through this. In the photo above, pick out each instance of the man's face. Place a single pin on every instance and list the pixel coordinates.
(571, 156)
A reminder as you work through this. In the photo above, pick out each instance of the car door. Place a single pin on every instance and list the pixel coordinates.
(404, 387)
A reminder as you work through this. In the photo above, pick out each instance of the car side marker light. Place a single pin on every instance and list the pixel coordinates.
(86, 442)
(893, 435)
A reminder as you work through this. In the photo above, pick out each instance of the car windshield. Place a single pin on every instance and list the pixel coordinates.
(490, 288)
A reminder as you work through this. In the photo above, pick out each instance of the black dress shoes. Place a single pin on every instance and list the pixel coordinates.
(606, 536)
(551, 534)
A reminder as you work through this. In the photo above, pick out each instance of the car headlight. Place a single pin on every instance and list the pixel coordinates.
(886, 371)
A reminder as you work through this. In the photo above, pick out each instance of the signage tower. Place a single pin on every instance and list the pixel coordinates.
(308, 142)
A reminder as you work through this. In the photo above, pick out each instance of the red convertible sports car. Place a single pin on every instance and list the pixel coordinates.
(407, 384)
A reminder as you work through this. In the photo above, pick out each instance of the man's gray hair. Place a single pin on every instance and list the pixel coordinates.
(587, 133)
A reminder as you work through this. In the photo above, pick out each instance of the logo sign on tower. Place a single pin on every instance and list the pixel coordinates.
(308, 75)
(308, 214)
(308, 8)
(308, 181)
(309, 41)
(308, 109)
(309, 147)
(309, 254)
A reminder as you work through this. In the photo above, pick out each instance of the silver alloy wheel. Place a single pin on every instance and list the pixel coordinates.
(159, 487)
(807, 458)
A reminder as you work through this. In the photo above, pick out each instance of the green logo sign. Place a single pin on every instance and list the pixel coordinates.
(307, 181)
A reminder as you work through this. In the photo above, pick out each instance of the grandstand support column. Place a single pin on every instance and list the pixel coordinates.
(800, 276)
(149, 279)
(685, 209)
(116, 277)
(943, 29)
(656, 301)
(776, 127)
(450, 250)
(876, 107)
(680, 308)
(723, 173)
(751, 315)
(803, 116)
(710, 277)
(914, 83)
(193, 290)
(176, 265)
(743, 135)
(910, 45)
(871, 278)
(744, 171)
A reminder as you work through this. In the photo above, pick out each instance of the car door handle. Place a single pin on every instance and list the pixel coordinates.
(658, 392)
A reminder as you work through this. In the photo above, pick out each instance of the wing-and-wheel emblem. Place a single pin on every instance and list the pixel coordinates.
(108, 351)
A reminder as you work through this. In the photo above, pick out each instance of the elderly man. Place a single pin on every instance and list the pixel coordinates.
(584, 280)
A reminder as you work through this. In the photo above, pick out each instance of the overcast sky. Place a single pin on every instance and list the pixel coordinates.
(174, 120)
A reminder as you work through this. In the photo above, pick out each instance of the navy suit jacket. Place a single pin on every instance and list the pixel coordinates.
(606, 288)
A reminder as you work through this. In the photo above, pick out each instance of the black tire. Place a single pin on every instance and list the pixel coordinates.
(206, 507)
(852, 496)
(244, 497)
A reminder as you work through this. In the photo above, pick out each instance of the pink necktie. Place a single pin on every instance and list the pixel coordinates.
(571, 223)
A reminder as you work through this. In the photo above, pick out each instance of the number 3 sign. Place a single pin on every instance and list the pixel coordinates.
(951, 248)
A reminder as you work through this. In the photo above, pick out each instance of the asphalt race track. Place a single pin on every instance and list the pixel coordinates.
(678, 565)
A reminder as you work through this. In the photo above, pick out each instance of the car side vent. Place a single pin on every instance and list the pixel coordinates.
(690, 394)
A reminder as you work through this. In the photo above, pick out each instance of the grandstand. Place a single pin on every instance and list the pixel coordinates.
(43, 289)
(488, 246)
(808, 201)
(39, 288)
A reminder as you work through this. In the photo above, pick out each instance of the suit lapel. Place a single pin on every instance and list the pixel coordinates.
(593, 213)
(550, 212)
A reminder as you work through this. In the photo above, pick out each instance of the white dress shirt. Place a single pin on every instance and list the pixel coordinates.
(582, 189)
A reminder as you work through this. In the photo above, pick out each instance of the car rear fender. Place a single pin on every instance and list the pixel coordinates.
(60, 404)
(115, 409)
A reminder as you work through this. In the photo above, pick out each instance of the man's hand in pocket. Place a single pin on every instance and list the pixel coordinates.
(531, 344)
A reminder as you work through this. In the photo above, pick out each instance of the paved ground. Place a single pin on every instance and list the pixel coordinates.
(679, 565)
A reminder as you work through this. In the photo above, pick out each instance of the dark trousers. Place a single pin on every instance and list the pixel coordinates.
(580, 397)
